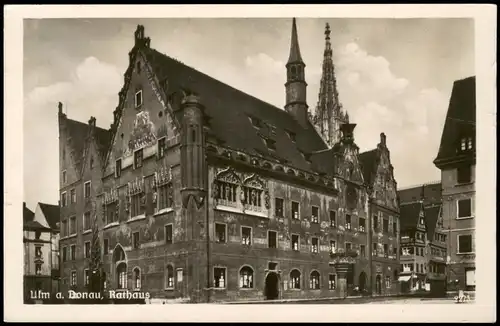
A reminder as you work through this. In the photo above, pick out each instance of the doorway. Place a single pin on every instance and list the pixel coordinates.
(378, 284)
(271, 290)
(362, 282)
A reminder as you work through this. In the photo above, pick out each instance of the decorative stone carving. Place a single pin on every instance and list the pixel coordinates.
(136, 186)
(162, 176)
(267, 199)
(128, 203)
(228, 175)
(143, 134)
(254, 181)
(215, 190)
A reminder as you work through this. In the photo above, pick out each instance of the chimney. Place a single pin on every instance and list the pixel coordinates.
(92, 121)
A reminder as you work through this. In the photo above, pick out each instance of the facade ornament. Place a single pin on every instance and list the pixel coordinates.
(155, 197)
(128, 203)
(215, 190)
(267, 199)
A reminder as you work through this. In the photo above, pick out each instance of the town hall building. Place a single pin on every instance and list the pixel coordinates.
(200, 192)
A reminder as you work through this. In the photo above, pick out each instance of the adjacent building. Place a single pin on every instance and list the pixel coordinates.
(41, 252)
(203, 193)
(423, 240)
(456, 159)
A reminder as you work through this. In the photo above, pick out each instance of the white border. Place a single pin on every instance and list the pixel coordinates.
(482, 310)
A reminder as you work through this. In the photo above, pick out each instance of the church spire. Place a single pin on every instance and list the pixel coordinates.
(295, 56)
(329, 115)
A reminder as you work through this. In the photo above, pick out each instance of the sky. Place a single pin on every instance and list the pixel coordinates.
(394, 76)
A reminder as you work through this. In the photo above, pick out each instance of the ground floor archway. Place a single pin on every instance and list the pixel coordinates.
(271, 288)
(378, 284)
(362, 281)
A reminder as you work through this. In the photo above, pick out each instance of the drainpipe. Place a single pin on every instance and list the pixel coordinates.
(370, 244)
(207, 202)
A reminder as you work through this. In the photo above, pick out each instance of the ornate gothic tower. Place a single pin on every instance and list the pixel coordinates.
(193, 151)
(329, 115)
(295, 81)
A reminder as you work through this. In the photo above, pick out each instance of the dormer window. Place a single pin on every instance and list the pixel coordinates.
(271, 144)
(255, 122)
(292, 136)
(138, 98)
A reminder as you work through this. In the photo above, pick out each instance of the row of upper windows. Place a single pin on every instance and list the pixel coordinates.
(72, 195)
(246, 239)
(139, 156)
(229, 194)
(419, 268)
(164, 198)
(69, 226)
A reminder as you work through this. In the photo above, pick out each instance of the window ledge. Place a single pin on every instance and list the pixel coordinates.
(110, 225)
(465, 218)
(69, 236)
(228, 209)
(245, 289)
(136, 218)
(254, 213)
(164, 211)
(87, 231)
(169, 289)
(465, 253)
(219, 289)
(464, 184)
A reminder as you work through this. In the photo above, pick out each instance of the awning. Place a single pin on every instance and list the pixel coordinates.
(404, 278)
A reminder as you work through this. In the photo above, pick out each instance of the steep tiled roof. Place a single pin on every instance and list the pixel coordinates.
(78, 131)
(33, 225)
(103, 140)
(229, 111)
(409, 213)
(51, 213)
(367, 161)
(28, 214)
(460, 118)
(431, 218)
(431, 192)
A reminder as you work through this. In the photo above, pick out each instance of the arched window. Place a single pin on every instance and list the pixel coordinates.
(314, 280)
(137, 278)
(121, 272)
(169, 277)
(295, 279)
(246, 277)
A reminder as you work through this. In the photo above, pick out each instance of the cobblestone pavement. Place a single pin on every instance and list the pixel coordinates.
(414, 301)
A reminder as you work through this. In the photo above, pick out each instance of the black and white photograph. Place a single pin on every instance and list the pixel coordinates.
(252, 162)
